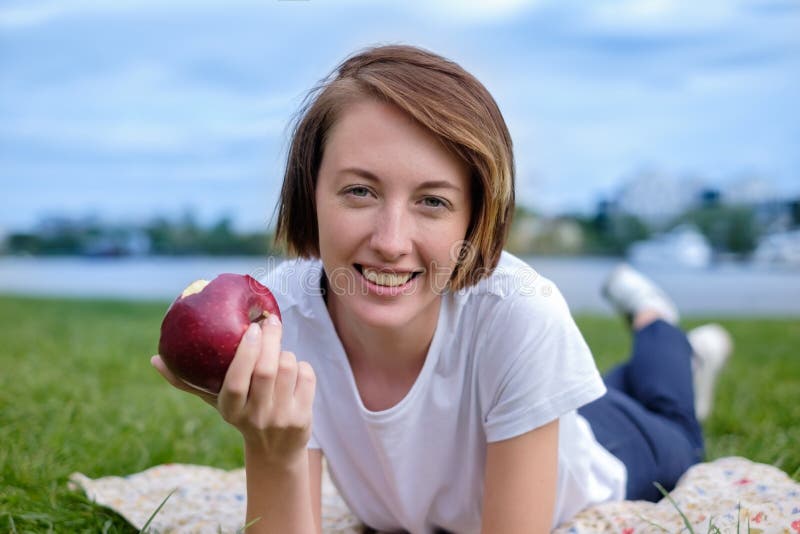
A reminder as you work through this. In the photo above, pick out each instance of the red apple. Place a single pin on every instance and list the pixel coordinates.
(202, 328)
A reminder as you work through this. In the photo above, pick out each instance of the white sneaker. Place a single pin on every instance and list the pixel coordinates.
(630, 292)
(712, 346)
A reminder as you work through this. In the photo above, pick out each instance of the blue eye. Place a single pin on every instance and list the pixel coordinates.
(358, 191)
(434, 202)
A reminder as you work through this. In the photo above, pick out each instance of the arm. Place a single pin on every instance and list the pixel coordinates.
(282, 498)
(520, 482)
(268, 395)
(315, 470)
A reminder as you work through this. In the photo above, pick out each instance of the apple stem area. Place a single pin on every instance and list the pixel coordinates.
(256, 314)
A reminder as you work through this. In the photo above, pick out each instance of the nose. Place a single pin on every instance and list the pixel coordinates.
(392, 233)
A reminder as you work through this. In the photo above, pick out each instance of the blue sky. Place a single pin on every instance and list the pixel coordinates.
(129, 109)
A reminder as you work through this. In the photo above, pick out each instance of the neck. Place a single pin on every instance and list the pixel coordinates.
(391, 352)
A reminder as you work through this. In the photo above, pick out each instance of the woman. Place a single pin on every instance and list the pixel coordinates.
(444, 375)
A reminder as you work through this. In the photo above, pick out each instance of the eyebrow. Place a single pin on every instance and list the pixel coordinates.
(432, 184)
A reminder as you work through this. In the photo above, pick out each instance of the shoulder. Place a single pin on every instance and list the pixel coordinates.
(515, 290)
(532, 362)
(511, 275)
(306, 330)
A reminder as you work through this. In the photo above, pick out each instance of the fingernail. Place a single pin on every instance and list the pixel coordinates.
(253, 333)
(273, 319)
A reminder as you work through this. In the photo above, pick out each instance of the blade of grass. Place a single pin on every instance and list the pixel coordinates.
(738, 516)
(153, 515)
(666, 494)
(643, 518)
(712, 528)
(248, 525)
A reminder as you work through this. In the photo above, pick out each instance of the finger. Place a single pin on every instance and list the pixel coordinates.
(176, 382)
(235, 387)
(265, 372)
(259, 402)
(305, 388)
(283, 396)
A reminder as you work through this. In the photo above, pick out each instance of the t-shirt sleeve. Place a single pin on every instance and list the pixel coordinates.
(536, 366)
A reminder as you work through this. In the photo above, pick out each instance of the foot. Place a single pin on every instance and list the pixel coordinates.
(631, 293)
(712, 346)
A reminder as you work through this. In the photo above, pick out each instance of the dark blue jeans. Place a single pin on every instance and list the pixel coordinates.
(647, 417)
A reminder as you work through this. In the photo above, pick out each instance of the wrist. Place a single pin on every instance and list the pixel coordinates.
(258, 457)
(278, 489)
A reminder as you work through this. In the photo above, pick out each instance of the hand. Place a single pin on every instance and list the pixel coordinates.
(267, 394)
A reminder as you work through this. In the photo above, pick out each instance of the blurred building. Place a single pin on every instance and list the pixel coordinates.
(749, 190)
(683, 246)
(657, 198)
(118, 243)
(779, 248)
(533, 234)
(726, 221)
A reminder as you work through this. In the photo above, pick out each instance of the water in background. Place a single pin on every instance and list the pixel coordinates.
(725, 290)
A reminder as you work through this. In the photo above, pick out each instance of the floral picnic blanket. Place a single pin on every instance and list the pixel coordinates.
(729, 494)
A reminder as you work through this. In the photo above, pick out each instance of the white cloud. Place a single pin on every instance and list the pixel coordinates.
(25, 14)
(475, 11)
(152, 137)
(659, 16)
(142, 173)
(28, 14)
(142, 108)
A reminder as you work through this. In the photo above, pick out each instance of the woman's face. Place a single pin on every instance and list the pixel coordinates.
(393, 206)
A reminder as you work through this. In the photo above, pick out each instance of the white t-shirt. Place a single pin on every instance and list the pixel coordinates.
(506, 357)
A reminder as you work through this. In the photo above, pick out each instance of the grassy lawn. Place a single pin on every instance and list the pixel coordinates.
(77, 393)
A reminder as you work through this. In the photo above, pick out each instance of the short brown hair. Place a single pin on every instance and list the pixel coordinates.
(443, 98)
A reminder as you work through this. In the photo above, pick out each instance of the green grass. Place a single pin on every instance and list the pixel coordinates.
(77, 393)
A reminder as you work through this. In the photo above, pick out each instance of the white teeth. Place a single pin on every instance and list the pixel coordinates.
(386, 279)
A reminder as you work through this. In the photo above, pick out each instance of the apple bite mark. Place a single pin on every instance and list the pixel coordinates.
(195, 287)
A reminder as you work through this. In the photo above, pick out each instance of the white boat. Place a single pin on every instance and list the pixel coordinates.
(781, 248)
(683, 246)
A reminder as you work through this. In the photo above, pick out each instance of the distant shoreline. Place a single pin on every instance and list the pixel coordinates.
(730, 289)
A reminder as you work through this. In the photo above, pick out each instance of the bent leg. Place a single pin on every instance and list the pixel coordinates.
(647, 418)
(659, 377)
(652, 447)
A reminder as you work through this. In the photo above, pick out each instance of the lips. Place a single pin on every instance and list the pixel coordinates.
(386, 277)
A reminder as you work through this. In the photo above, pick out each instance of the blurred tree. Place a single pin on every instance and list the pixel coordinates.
(159, 236)
(612, 232)
(24, 243)
(729, 228)
(158, 230)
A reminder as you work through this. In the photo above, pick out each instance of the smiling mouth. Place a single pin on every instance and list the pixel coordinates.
(385, 279)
